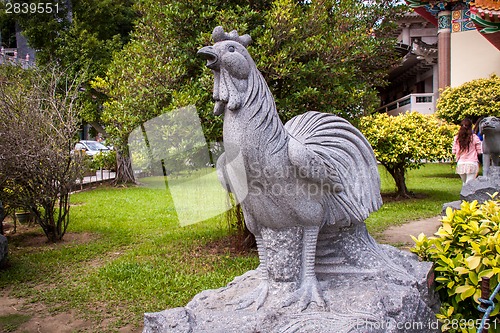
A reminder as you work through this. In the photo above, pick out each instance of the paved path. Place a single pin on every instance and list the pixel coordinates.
(400, 235)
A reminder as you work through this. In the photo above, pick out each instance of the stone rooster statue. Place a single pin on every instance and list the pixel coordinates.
(294, 181)
(306, 188)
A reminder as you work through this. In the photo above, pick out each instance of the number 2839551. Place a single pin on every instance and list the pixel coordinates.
(31, 8)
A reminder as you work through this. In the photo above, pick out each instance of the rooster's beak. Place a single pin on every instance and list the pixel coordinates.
(210, 55)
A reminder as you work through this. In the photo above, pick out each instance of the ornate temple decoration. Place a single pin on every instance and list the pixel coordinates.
(425, 52)
(461, 21)
(483, 15)
(486, 15)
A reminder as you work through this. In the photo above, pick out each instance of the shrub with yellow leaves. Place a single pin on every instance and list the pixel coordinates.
(465, 248)
(407, 141)
(473, 99)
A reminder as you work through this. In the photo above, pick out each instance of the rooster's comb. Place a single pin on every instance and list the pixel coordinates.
(219, 35)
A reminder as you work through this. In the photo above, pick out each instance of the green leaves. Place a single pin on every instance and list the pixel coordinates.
(307, 64)
(472, 99)
(405, 141)
(464, 250)
(311, 66)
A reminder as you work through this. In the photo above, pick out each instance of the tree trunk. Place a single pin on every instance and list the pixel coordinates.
(236, 222)
(124, 171)
(398, 173)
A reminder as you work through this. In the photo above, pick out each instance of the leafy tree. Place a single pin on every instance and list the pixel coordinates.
(315, 55)
(7, 28)
(38, 123)
(81, 35)
(326, 55)
(406, 141)
(473, 99)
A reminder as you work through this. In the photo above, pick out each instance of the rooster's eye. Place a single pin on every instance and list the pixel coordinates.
(231, 48)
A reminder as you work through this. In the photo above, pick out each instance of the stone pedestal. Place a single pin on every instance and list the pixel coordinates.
(377, 288)
(482, 187)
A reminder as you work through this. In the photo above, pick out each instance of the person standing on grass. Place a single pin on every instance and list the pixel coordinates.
(467, 147)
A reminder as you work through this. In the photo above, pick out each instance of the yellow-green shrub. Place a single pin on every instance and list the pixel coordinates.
(104, 160)
(473, 99)
(465, 249)
(407, 141)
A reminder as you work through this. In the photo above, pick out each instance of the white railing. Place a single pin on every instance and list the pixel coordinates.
(424, 103)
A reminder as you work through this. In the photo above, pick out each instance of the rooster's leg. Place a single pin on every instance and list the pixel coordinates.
(259, 295)
(309, 290)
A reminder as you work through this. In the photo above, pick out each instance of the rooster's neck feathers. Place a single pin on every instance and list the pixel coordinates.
(263, 115)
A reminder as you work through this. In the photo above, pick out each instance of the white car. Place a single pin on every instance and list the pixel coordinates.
(91, 147)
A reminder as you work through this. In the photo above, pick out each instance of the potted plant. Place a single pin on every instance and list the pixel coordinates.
(23, 216)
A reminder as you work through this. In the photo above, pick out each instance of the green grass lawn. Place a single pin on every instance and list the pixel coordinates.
(133, 256)
(433, 184)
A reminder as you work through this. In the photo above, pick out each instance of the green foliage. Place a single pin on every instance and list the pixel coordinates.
(407, 141)
(307, 63)
(10, 323)
(159, 71)
(472, 99)
(104, 161)
(465, 249)
(83, 40)
(311, 66)
(7, 28)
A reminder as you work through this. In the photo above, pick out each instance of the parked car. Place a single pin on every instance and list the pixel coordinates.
(91, 147)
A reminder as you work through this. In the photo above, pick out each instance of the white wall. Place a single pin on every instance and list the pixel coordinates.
(472, 57)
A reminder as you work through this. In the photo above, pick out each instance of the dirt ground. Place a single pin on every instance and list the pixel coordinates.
(37, 320)
(400, 235)
(34, 317)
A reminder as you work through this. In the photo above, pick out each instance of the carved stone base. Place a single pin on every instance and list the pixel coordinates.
(482, 187)
(382, 290)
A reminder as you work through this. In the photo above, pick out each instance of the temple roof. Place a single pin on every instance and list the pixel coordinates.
(491, 5)
(486, 17)
(484, 13)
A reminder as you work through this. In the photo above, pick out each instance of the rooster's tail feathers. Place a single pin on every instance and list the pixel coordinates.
(348, 154)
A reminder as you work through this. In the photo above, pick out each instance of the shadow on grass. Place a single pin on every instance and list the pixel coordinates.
(442, 195)
(442, 175)
(11, 323)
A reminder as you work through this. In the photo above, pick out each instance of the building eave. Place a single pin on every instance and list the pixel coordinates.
(484, 13)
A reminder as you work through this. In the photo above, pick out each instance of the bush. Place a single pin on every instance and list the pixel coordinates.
(473, 99)
(407, 141)
(104, 161)
(465, 249)
(39, 118)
